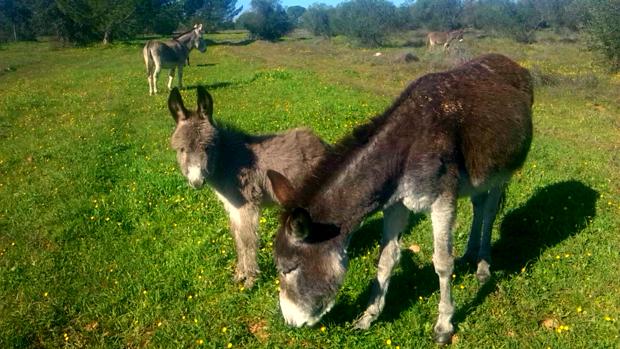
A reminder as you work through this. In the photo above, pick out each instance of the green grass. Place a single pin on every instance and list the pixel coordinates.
(102, 243)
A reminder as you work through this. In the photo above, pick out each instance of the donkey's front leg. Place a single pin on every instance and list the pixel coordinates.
(442, 217)
(244, 226)
(395, 220)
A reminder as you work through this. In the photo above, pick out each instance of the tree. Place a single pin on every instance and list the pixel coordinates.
(294, 14)
(317, 19)
(437, 14)
(266, 20)
(15, 17)
(603, 27)
(167, 18)
(368, 21)
(105, 17)
(212, 13)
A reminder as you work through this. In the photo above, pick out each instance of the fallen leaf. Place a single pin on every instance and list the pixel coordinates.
(549, 323)
(414, 248)
(91, 326)
(259, 330)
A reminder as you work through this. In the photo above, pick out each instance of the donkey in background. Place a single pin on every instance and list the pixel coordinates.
(443, 38)
(463, 132)
(234, 164)
(171, 54)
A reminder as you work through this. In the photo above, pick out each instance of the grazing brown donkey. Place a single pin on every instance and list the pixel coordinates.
(234, 164)
(463, 132)
(443, 38)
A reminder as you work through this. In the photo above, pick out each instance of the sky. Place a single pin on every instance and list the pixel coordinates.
(305, 3)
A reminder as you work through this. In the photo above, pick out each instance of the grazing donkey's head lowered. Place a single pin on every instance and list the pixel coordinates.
(195, 136)
(461, 132)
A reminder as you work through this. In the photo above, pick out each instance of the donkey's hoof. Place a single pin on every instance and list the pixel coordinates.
(443, 338)
(249, 281)
(363, 322)
(483, 274)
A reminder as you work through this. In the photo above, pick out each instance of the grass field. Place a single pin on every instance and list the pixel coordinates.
(103, 244)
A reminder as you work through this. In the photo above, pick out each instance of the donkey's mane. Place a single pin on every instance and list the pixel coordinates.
(344, 151)
(187, 32)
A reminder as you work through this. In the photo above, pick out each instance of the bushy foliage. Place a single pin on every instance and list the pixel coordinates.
(317, 19)
(437, 14)
(294, 14)
(368, 21)
(603, 26)
(211, 13)
(266, 20)
(15, 20)
(167, 19)
(84, 21)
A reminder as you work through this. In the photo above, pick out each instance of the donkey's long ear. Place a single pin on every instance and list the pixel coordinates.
(205, 104)
(175, 104)
(282, 188)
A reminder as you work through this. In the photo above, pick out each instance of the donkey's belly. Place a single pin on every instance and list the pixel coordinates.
(170, 65)
(415, 196)
(419, 195)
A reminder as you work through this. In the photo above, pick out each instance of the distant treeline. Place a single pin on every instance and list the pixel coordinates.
(370, 22)
(85, 21)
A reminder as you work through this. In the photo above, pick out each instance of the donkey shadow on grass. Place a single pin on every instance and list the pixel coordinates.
(213, 86)
(553, 214)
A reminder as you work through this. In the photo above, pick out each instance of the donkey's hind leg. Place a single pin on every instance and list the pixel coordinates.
(478, 250)
(154, 77)
(473, 244)
(442, 218)
(395, 221)
(244, 226)
(491, 206)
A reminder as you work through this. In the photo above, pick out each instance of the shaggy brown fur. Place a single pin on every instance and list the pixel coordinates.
(460, 132)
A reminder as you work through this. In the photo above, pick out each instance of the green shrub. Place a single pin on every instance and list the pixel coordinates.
(266, 20)
(317, 19)
(368, 21)
(603, 25)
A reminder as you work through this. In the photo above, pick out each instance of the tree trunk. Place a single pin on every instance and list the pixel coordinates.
(106, 37)
(14, 32)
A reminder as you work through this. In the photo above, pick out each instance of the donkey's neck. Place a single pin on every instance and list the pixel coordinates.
(186, 40)
(360, 179)
(233, 153)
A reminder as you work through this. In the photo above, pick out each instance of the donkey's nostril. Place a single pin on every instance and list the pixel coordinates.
(196, 184)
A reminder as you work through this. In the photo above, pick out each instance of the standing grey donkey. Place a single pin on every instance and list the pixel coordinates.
(171, 54)
(462, 132)
(234, 165)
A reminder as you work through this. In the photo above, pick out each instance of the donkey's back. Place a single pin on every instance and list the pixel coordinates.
(168, 54)
(477, 115)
